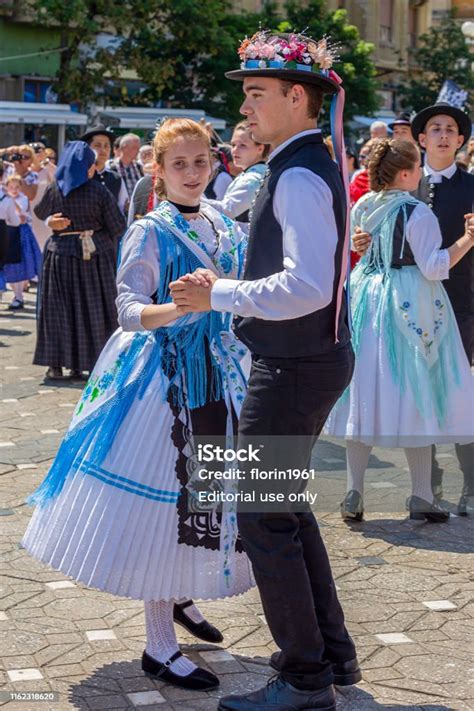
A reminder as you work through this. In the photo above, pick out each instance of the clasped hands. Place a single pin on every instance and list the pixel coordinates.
(192, 292)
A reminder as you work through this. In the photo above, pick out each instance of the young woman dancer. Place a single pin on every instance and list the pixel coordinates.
(250, 156)
(115, 510)
(412, 384)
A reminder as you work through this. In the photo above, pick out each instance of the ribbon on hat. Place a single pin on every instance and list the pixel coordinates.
(337, 135)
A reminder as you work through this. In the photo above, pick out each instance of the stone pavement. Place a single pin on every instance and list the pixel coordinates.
(406, 587)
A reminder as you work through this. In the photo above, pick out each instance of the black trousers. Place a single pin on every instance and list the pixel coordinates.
(290, 563)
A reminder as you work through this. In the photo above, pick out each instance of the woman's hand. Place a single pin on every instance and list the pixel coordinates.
(58, 222)
(201, 277)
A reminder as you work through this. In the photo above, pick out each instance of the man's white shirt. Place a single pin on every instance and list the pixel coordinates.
(303, 207)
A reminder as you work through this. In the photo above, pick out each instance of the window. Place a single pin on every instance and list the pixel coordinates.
(37, 91)
(412, 27)
(385, 21)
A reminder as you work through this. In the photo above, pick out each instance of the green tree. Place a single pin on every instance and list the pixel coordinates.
(354, 65)
(181, 49)
(442, 54)
(85, 68)
(213, 92)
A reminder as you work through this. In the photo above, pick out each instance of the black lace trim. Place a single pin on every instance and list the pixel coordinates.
(194, 528)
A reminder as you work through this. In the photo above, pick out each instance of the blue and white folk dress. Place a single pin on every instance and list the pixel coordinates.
(412, 384)
(114, 511)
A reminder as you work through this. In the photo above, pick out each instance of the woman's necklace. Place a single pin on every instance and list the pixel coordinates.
(217, 236)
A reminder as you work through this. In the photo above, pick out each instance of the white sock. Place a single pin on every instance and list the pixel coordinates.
(192, 611)
(161, 642)
(357, 460)
(18, 290)
(419, 462)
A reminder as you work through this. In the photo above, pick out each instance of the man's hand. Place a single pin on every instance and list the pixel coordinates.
(192, 292)
(361, 241)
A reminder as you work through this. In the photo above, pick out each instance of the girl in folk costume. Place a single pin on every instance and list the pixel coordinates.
(412, 384)
(115, 511)
(77, 312)
(18, 273)
(250, 156)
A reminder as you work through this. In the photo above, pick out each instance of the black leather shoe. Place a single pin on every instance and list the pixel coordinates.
(198, 680)
(278, 695)
(421, 509)
(203, 630)
(352, 508)
(344, 673)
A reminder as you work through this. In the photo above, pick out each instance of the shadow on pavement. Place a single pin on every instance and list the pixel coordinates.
(454, 536)
(123, 685)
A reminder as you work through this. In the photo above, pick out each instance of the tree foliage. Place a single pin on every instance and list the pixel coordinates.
(442, 54)
(181, 49)
(84, 67)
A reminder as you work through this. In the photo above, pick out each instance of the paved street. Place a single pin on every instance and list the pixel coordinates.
(407, 587)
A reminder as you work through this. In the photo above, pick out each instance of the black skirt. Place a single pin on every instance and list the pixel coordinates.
(77, 312)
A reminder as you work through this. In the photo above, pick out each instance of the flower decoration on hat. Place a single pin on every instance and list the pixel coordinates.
(265, 50)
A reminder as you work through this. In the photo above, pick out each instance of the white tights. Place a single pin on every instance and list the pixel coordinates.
(161, 642)
(419, 463)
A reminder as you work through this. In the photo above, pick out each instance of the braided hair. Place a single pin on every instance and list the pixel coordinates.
(388, 157)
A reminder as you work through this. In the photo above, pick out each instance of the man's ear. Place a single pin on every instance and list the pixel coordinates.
(422, 139)
(298, 93)
(460, 141)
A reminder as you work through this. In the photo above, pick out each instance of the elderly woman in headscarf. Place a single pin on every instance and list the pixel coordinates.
(77, 312)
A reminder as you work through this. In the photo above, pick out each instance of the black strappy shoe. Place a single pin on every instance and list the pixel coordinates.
(203, 630)
(198, 680)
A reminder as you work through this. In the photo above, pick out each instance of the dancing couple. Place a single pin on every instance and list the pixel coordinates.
(114, 510)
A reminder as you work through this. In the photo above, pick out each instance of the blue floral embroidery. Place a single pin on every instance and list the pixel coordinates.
(98, 384)
(424, 335)
(226, 262)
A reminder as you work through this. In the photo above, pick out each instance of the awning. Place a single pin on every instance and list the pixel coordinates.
(139, 117)
(368, 120)
(25, 112)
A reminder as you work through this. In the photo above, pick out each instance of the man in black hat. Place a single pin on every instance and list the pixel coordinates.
(401, 128)
(100, 139)
(442, 130)
(289, 315)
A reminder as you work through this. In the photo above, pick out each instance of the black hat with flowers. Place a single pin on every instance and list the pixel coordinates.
(287, 56)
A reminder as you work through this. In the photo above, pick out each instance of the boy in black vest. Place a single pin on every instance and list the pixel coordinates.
(289, 315)
(442, 130)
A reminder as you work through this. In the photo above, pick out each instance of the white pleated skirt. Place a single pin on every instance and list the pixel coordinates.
(377, 411)
(115, 527)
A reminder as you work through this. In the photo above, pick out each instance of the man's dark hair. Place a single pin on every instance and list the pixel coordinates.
(314, 93)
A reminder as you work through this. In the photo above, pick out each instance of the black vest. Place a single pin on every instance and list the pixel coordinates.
(453, 198)
(402, 258)
(111, 180)
(209, 192)
(314, 333)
